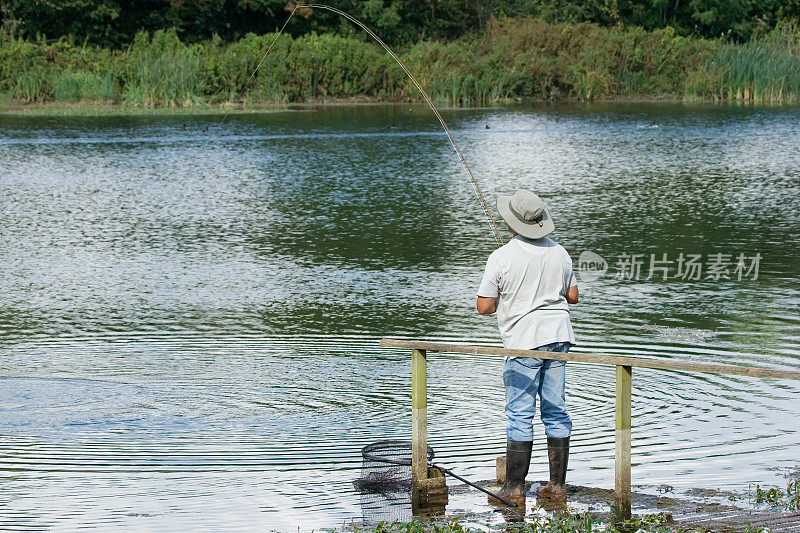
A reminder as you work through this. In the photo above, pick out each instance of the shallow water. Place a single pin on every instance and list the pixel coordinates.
(189, 311)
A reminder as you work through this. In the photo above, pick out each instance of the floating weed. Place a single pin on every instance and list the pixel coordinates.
(793, 494)
(773, 495)
(779, 499)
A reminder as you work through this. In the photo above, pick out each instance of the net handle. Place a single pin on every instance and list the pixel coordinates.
(473, 485)
(367, 454)
(443, 470)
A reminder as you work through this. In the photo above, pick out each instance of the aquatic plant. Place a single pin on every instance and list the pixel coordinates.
(33, 85)
(162, 71)
(778, 498)
(40, 71)
(79, 85)
(765, 70)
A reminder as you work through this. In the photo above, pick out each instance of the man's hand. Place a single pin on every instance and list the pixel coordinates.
(486, 305)
(572, 294)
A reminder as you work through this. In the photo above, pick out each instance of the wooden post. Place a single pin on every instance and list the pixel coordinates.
(419, 419)
(622, 456)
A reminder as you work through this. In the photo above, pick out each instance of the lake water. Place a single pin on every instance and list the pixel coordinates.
(190, 312)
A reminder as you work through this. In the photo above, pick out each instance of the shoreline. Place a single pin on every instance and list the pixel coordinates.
(112, 109)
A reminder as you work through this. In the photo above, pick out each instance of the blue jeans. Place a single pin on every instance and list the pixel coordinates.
(525, 378)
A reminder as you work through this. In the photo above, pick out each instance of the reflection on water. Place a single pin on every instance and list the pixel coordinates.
(189, 313)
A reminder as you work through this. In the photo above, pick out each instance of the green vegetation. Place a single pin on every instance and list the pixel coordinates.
(766, 70)
(512, 59)
(565, 523)
(785, 500)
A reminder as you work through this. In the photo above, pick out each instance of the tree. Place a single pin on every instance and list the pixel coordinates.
(399, 22)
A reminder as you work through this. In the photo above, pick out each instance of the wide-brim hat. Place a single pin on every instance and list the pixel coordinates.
(526, 214)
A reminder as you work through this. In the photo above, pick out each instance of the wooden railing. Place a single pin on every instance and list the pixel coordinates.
(624, 366)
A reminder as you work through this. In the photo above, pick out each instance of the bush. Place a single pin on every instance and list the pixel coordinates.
(512, 59)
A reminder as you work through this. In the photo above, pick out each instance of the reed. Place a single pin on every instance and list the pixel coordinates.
(765, 70)
(33, 86)
(79, 85)
(162, 71)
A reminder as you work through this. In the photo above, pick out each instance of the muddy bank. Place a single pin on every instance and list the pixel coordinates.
(696, 509)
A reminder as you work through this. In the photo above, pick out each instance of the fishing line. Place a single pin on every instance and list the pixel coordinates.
(375, 36)
(275, 40)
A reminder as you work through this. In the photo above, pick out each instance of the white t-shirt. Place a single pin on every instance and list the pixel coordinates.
(531, 277)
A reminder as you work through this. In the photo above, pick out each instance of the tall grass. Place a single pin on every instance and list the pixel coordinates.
(40, 72)
(766, 70)
(32, 85)
(512, 59)
(79, 85)
(162, 71)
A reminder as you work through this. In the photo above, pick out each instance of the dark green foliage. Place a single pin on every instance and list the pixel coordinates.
(114, 23)
(739, 20)
(104, 22)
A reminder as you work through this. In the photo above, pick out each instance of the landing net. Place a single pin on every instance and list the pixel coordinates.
(386, 466)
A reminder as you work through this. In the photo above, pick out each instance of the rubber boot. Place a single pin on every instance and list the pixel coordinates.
(554, 494)
(518, 460)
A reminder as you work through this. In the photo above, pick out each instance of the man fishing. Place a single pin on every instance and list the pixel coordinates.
(529, 283)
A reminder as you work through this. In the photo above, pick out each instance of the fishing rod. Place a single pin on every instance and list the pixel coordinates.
(375, 36)
(453, 142)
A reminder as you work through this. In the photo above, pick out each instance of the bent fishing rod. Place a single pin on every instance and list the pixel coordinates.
(453, 142)
(425, 96)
